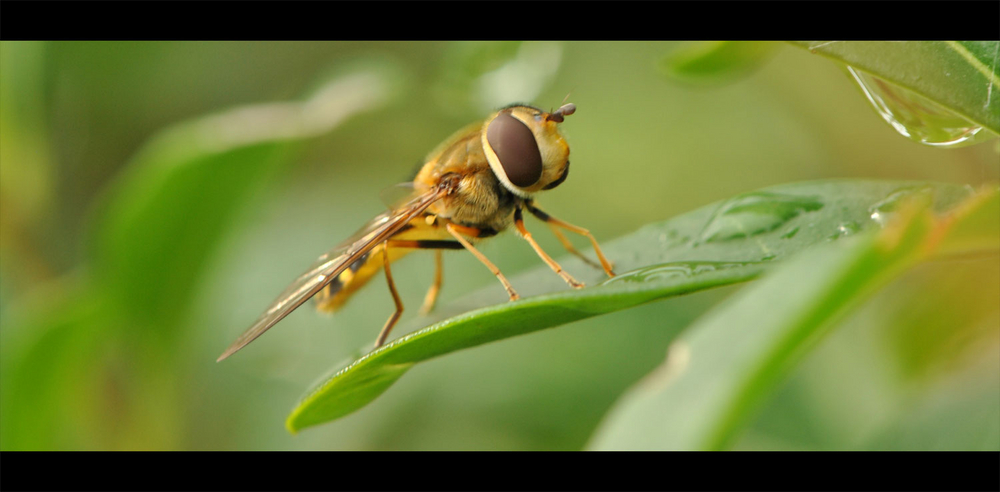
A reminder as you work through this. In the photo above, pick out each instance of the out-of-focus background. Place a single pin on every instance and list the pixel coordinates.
(86, 127)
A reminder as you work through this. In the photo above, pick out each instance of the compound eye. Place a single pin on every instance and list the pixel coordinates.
(516, 148)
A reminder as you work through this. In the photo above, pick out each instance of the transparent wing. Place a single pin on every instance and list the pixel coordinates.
(398, 195)
(331, 264)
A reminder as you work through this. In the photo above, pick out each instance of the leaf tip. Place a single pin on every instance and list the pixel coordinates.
(290, 424)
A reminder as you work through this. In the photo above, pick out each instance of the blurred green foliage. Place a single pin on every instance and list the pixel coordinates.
(719, 370)
(709, 62)
(148, 216)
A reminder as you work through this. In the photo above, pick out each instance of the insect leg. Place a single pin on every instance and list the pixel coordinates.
(395, 297)
(552, 221)
(457, 231)
(431, 298)
(569, 247)
(519, 223)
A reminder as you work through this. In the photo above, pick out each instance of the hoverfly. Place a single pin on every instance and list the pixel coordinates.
(474, 185)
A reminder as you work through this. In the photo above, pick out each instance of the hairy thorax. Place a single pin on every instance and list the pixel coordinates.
(480, 200)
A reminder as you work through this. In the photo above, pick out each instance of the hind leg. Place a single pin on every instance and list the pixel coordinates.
(431, 298)
(395, 297)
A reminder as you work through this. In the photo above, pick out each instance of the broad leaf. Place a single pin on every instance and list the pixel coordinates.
(723, 243)
(962, 76)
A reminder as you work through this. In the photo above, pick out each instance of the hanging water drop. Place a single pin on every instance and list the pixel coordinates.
(916, 117)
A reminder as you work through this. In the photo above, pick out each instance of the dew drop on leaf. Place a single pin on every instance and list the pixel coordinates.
(845, 229)
(755, 213)
(882, 211)
(663, 271)
(791, 233)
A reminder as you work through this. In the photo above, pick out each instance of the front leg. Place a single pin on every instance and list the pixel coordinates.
(519, 223)
(458, 231)
(529, 204)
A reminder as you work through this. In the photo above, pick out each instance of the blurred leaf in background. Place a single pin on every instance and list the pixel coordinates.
(175, 200)
(708, 62)
(27, 185)
(140, 235)
(163, 219)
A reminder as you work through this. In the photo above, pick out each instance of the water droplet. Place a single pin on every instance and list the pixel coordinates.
(671, 238)
(755, 213)
(882, 210)
(845, 229)
(916, 117)
(674, 269)
(791, 233)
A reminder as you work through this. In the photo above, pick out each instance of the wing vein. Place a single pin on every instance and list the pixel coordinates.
(319, 275)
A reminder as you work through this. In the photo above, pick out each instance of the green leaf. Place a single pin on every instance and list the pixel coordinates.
(67, 373)
(962, 76)
(176, 198)
(702, 62)
(723, 243)
(41, 363)
(727, 363)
